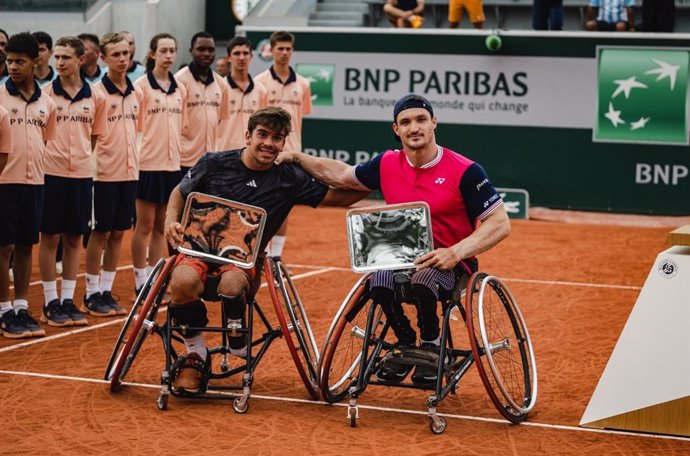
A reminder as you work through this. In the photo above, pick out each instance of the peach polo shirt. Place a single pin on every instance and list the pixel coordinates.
(117, 157)
(293, 95)
(32, 123)
(206, 106)
(162, 115)
(78, 118)
(242, 104)
(5, 132)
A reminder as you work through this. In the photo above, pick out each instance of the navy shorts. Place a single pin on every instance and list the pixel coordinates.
(67, 207)
(156, 186)
(113, 205)
(21, 207)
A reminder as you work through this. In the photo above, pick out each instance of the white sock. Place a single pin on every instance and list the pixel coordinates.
(107, 279)
(140, 275)
(239, 352)
(92, 284)
(148, 270)
(275, 248)
(436, 341)
(20, 304)
(50, 291)
(5, 306)
(67, 289)
(196, 345)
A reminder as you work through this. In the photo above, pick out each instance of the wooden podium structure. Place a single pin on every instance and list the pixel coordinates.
(646, 383)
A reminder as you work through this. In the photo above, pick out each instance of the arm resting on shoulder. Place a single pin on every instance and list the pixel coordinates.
(344, 198)
(333, 173)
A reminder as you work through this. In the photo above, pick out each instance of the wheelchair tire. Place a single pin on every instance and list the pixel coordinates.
(508, 369)
(293, 323)
(134, 332)
(343, 347)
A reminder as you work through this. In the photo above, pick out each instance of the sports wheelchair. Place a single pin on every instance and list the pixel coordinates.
(480, 312)
(292, 322)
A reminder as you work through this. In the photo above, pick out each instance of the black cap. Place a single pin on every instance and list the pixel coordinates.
(410, 101)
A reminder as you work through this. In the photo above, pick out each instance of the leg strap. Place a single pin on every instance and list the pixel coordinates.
(191, 314)
(234, 309)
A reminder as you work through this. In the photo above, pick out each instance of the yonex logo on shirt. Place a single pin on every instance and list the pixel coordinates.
(440, 180)
(251, 183)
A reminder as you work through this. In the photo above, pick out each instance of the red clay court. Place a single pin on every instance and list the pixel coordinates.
(576, 283)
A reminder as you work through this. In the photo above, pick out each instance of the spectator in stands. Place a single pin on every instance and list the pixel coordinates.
(547, 15)
(657, 15)
(90, 70)
(3, 56)
(405, 13)
(136, 69)
(474, 8)
(43, 72)
(222, 66)
(610, 16)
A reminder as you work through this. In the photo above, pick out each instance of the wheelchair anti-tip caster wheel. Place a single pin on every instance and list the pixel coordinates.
(352, 415)
(240, 405)
(162, 402)
(437, 424)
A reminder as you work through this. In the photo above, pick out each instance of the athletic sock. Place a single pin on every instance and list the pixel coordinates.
(436, 342)
(107, 279)
(20, 304)
(196, 345)
(67, 289)
(92, 284)
(276, 246)
(140, 275)
(50, 291)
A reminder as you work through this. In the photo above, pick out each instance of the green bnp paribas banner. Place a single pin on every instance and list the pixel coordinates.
(580, 120)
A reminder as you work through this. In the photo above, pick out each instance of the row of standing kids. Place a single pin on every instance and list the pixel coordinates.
(85, 150)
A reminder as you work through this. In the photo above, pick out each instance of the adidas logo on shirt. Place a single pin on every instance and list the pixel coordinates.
(251, 183)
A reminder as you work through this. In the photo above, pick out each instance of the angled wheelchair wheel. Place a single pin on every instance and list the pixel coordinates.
(501, 346)
(139, 323)
(342, 351)
(294, 323)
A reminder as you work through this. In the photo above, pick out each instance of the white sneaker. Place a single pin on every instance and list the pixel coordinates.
(58, 268)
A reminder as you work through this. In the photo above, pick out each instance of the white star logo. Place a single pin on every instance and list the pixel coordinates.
(614, 116)
(325, 75)
(639, 124)
(626, 85)
(665, 70)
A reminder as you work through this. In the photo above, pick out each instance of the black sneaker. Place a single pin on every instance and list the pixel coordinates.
(110, 302)
(55, 315)
(30, 323)
(95, 306)
(426, 375)
(392, 372)
(78, 318)
(11, 327)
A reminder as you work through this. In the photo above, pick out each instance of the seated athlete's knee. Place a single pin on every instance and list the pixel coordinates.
(233, 283)
(192, 314)
(185, 284)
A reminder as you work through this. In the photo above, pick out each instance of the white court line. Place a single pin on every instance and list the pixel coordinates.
(541, 282)
(559, 427)
(120, 320)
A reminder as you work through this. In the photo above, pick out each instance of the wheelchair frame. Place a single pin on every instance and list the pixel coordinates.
(142, 321)
(513, 397)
